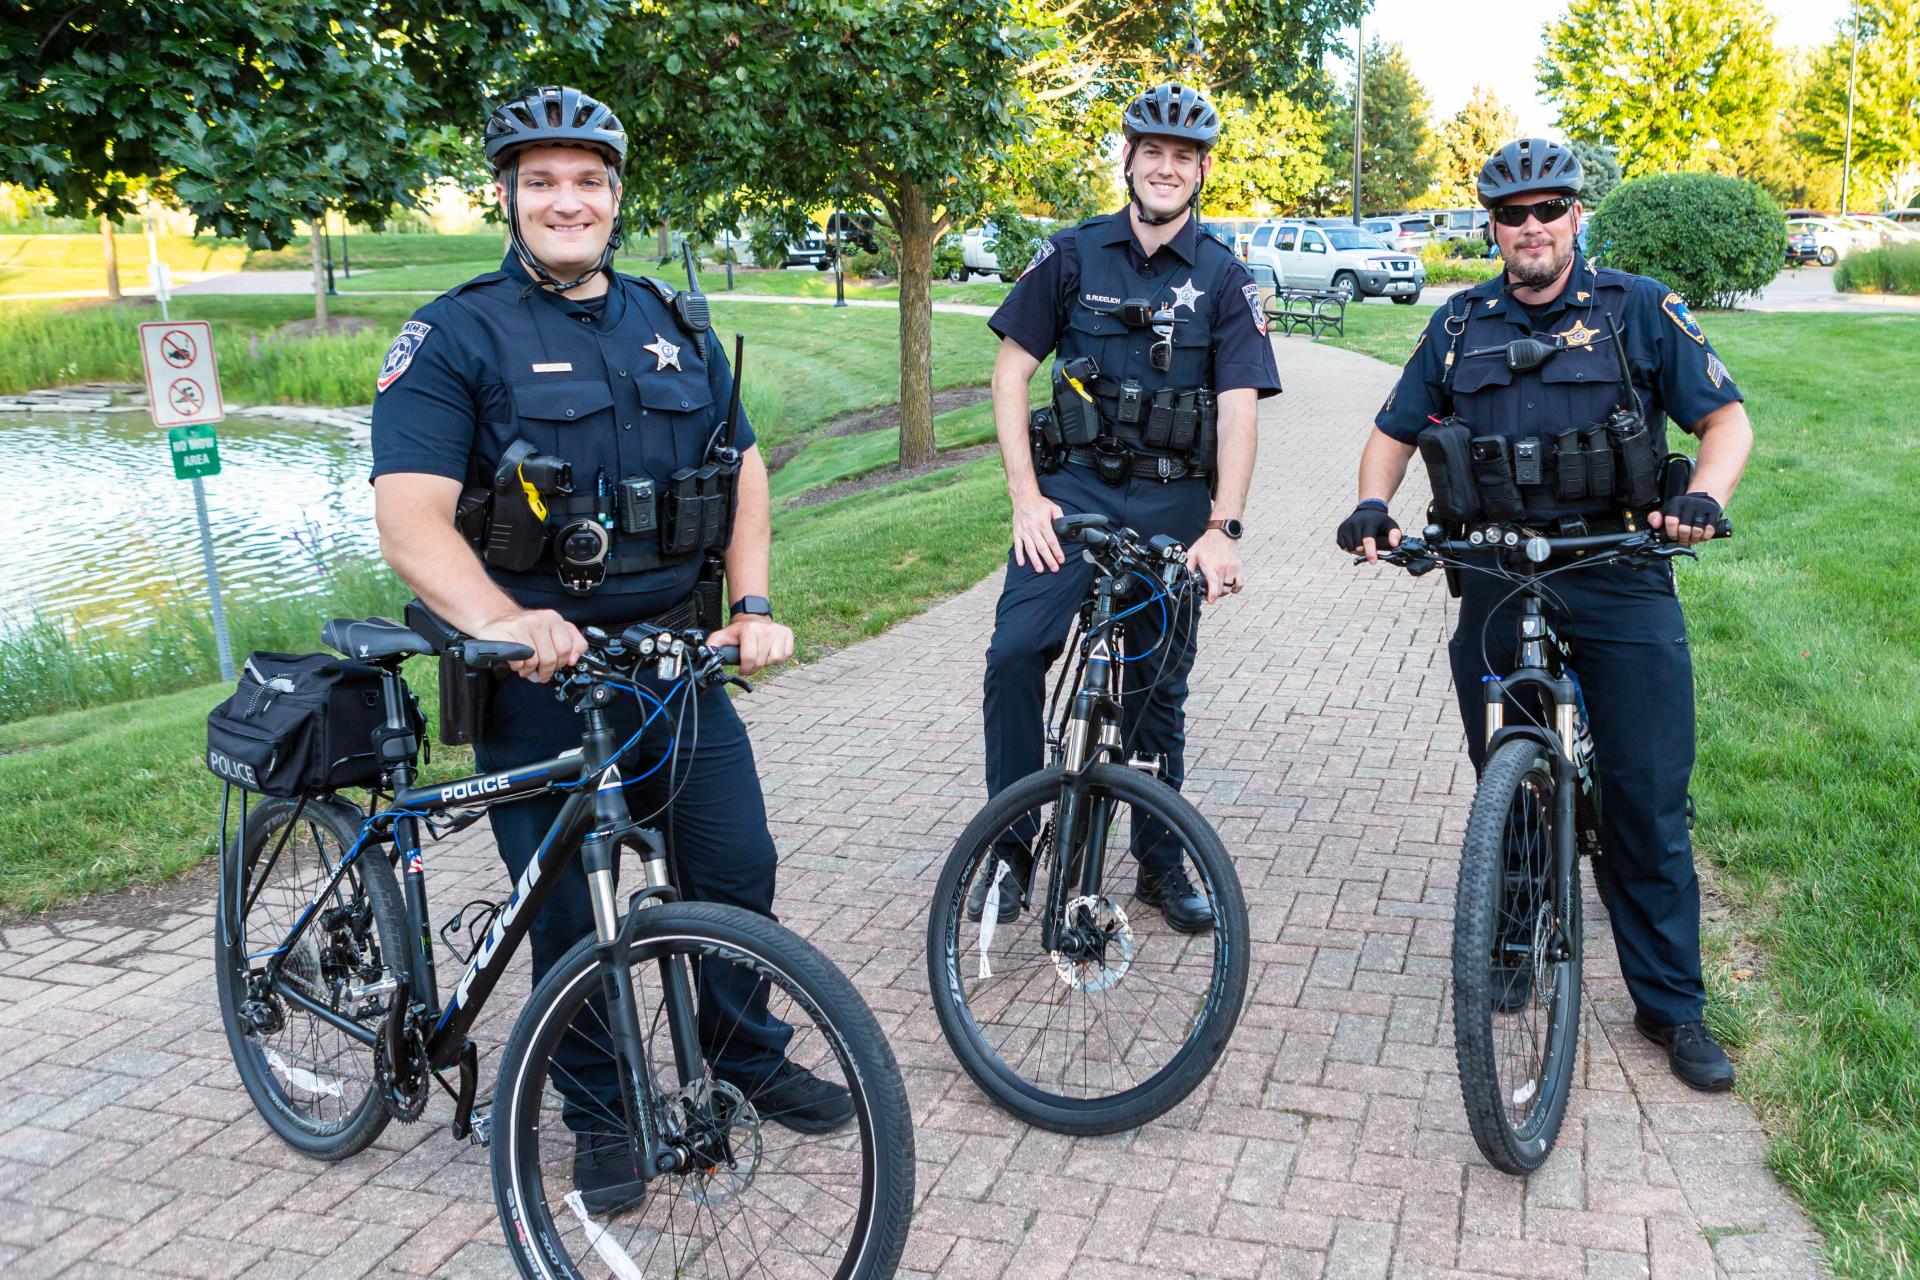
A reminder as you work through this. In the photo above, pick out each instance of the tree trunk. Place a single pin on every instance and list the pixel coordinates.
(916, 327)
(666, 241)
(113, 257)
(319, 274)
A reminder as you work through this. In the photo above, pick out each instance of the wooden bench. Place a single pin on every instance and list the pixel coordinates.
(1314, 310)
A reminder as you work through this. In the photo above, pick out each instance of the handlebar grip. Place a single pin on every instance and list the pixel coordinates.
(1079, 526)
(492, 653)
(729, 654)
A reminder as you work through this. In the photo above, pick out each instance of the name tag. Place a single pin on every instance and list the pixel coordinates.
(560, 366)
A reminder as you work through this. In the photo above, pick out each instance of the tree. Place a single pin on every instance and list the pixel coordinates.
(1886, 107)
(1271, 156)
(1475, 132)
(1673, 85)
(1397, 160)
(1599, 170)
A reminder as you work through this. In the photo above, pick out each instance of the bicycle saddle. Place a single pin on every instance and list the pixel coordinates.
(372, 639)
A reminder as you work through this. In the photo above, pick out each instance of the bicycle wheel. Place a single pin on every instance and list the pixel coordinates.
(312, 1083)
(1516, 964)
(755, 1199)
(1124, 1019)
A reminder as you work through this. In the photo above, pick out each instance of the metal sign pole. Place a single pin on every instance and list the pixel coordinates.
(221, 643)
(154, 270)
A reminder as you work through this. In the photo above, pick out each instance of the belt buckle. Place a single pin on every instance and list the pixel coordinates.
(1165, 467)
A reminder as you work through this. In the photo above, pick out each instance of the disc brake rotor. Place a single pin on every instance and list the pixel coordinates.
(720, 1130)
(1109, 962)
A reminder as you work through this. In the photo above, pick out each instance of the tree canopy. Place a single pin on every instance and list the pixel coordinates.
(1476, 131)
(1271, 158)
(1397, 158)
(1676, 85)
(1886, 108)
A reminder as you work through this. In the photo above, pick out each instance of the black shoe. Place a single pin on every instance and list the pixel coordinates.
(1510, 988)
(1692, 1052)
(796, 1098)
(1185, 907)
(1012, 885)
(605, 1175)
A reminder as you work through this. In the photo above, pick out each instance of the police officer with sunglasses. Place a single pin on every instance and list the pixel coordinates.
(1160, 353)
(1533, 420)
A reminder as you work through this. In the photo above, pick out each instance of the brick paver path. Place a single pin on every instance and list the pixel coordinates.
(1329, 1142)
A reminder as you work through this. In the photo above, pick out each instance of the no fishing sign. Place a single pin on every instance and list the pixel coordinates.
(183, 379)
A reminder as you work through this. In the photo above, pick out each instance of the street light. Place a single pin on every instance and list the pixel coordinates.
(1359, 98)
(1853, 69)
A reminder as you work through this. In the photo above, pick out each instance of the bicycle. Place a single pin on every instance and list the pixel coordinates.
(332, 1009)
(1141, 1012)
(1536, 811)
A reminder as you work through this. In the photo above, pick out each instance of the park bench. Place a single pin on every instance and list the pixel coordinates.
(1314, 310)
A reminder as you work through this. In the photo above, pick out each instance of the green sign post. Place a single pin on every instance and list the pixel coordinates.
(196, 452)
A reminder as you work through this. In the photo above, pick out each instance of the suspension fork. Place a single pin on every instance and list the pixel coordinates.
(1093, 735)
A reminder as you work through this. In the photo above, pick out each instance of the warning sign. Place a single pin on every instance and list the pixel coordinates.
(183, 379)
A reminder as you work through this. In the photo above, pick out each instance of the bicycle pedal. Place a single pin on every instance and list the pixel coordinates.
(480, 1132)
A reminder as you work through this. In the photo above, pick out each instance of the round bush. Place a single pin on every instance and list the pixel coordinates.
(1712, 240)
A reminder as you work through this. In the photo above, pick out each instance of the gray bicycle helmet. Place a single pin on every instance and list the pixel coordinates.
(1527, 166)
(554, 115)
(1172, 111)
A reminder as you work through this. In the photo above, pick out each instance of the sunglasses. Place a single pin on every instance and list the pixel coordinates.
(1516, 215)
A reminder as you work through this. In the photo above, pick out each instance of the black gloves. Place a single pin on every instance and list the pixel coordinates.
(1369, 520)
(1699, 509)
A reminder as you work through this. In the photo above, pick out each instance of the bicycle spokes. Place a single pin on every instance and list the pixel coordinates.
(1530, 950)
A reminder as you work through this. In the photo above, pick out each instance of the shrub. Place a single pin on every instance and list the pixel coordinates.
(1015, 240)
(1462, 270)
(1893, 268)
(874, 265)
(1713, 240)
(948, 259)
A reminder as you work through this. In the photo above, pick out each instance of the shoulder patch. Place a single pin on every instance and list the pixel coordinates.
(401, 353)
(1251, 292)
(1046, 251)
(1676, 310)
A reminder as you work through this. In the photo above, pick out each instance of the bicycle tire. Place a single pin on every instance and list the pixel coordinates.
(544, 1246)
(1220, 1004)
(1520, 773)
(270, 1078)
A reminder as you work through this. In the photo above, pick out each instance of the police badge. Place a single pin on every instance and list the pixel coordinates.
(400, 354)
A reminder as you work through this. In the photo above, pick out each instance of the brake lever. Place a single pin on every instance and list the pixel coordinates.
(739, 682)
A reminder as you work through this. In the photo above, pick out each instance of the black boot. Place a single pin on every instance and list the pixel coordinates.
(604, 1174)
(799, 1100)
(1019, 868)
(1185, 907)
(1695, 1056)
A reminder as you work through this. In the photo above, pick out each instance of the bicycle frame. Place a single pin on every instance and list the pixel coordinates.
(593, 822)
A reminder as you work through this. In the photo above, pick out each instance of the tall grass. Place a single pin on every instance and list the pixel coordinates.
(1893, 268)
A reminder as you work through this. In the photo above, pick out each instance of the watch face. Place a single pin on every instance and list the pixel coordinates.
(1232, 528)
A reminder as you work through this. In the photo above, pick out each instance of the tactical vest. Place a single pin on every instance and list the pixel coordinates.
(634, 435)
(1162, 413)
(1547, 443)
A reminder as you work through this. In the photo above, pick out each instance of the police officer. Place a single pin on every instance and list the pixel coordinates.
(1160, 352)
(1623, 622)
(554, 356)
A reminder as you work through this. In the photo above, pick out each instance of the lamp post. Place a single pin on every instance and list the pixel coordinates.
(1359, 99)
(1853, 70)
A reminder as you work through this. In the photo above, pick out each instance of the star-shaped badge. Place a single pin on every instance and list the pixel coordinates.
(1187, 296)
(1577, 334)
(665, 352)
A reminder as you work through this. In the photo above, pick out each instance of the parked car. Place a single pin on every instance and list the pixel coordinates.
(855, 230)
(977, 249)
(1832, 241)
(1457, 224)
(1905, 217)
(1233, 232)
(1890, 231)
(1802, 246)
(1407, 232)
(1342, 258)
(811, 250)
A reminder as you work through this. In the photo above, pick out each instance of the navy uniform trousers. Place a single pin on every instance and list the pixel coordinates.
(720, 851)
(1035, 617)
(1629, 643)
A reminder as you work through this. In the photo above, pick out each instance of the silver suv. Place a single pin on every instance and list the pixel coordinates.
(1341, 258)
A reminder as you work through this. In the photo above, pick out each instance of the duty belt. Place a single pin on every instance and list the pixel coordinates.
(1150, 466)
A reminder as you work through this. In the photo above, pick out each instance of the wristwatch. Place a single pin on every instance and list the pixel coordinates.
(759, 605)
(1230, 526)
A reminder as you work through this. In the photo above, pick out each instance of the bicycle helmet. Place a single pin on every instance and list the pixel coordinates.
(1172, 111)
(554, 116)
(1526, 166)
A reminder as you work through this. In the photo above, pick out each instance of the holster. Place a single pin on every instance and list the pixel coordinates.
(1112, 462)
(1079, 418)
(1447, 451)
(1043, 437)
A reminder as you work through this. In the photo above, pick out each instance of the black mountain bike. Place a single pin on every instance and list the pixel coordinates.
(1085, 1012)
(326, 980)
(1516, 921)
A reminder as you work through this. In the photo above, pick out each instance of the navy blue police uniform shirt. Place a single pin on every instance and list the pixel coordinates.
(446, 407)
(1035, 312)
(1675, 369)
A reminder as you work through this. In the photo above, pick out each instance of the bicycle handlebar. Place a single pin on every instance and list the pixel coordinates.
(1122, 549)
(1419, 553)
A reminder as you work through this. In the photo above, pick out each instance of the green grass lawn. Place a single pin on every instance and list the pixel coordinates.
(1806, 645)
(61, 263)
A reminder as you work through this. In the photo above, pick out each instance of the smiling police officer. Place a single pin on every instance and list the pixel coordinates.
(544, 441)
(1553, 460)
(1160, 353)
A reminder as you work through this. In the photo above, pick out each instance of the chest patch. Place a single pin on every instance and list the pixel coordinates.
(1187, 296)
(1046, 251)
(1677, 312)
(664, 352)
(1251, 292)
(401, 353)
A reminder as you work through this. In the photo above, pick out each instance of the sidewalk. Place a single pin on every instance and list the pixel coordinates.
(1330, 1141)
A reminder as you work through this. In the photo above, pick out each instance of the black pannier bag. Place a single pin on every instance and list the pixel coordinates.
(300, 723)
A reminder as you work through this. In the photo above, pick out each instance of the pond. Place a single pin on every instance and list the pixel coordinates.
(95, 528)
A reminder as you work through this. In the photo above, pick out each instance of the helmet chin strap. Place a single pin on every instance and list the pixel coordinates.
(544, 276)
